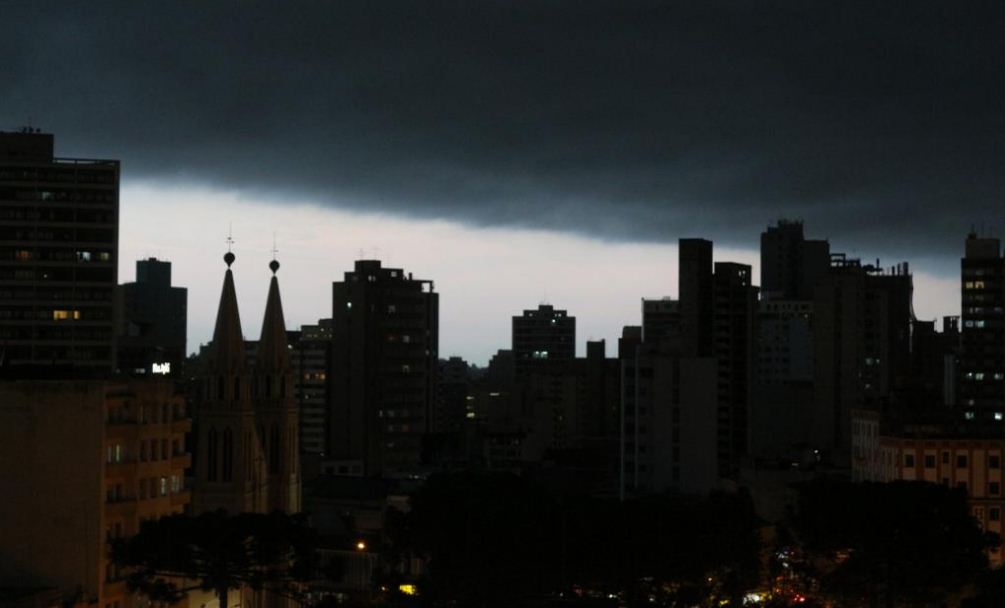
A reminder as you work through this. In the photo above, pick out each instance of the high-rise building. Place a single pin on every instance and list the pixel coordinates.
(981, 377)
(862, 326)
(152, 321)
(544, 334)
(312, 352)
(734, 313)
(791, 265)
(58, 260)
(782, 400)
(384, 364)
(696, 295)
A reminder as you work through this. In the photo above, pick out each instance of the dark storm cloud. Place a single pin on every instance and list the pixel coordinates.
(625, 120)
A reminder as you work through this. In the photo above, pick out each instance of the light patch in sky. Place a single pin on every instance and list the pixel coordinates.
(484, 275)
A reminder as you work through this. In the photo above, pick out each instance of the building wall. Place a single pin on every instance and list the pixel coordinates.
(58, 260)
(384, 368)
(75, 473)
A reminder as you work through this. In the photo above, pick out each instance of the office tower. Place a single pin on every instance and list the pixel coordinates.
(782, 400)
(312, 352)
(862, 324)
(981, 377)
(453, 391)
(735, 306)
(696, 295)
(153, 321)
(661, 320)
(85, 462)
(383, 370)
(247, 420)
(58, 258)
(791, 265)
(668, 427)
(544, 334)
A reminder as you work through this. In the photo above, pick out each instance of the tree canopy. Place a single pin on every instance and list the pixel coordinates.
(892, 542)
(218, 552)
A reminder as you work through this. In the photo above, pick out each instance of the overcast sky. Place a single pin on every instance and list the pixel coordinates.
(520, 152)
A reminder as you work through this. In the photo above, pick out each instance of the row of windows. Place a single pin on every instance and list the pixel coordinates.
(148, 414)
(56, 314)
(993, 460)
(35, 174)
(29, 233)
(56, 255)
(154, 487)
(56, 215)
(68, 275)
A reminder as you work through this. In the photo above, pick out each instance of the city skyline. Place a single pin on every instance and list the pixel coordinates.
(484, 275)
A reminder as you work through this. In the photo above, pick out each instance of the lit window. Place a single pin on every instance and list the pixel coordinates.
(23, 255)
(63, 315)
(998, 416)
(83, 256)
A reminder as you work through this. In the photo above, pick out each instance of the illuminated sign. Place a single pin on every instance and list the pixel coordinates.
(161, 368)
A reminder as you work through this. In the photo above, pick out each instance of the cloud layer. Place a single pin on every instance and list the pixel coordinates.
(878, 124)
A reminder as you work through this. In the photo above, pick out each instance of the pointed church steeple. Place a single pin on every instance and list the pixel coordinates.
(273, 347)
(226, 353)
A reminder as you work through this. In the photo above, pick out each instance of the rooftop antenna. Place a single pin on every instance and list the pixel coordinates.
(274, 250)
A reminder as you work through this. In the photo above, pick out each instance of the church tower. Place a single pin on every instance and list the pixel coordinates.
(276, 406)
(231, 469)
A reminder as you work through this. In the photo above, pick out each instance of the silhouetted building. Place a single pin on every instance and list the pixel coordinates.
(981, 378)
(452, 403)
(312, 358)
(58, 260)
(661, 321)
(862, 325)
(544, 334)
(791, 265)
(153, 321)
(696, 295)
(383, 370)
(781, 411)
(735, 307)
(247, 420)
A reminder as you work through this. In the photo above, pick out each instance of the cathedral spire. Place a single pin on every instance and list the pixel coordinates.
(273, 347)
(226, 353)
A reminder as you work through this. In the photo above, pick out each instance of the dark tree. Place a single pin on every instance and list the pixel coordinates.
(893, 543)
(499, 539)
(218, 552)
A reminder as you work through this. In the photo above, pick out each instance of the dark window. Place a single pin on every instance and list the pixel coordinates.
(274, 452)
(994, 461)
(994, 488)
(961, 461)
(994, 514)
(929, 461)
(908, 460)
(228, 455)
(211, 454)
